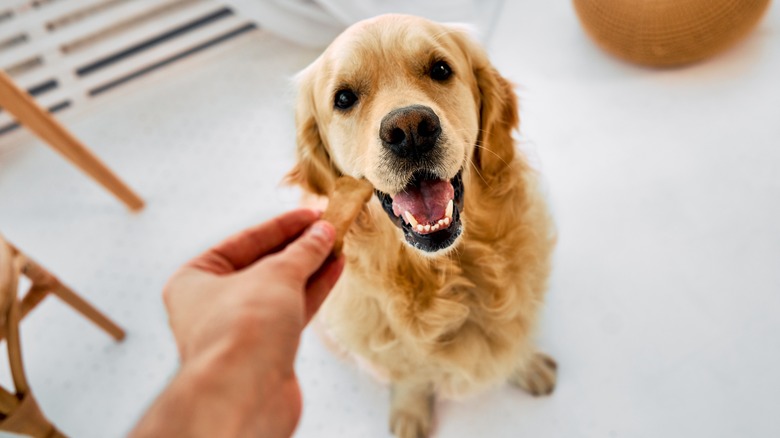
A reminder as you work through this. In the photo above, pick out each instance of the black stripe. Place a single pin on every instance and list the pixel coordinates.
(144, 45)
(224, 37)
(42, 3)
(14, 41)
(6, 15)
(65, 104)
(39, 89)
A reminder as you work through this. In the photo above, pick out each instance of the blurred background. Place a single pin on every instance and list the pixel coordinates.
(662, 311)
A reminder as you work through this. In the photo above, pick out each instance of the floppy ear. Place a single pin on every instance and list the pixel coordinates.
(498, 119)
(315, 170)
(498, 111)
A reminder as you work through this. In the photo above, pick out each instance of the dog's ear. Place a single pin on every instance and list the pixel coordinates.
(498, 119)
(498, 109)
(315, 170)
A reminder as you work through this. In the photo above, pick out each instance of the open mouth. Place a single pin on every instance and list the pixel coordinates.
(427, 210)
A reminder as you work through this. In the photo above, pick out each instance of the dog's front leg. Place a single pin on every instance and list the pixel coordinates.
(411, 409)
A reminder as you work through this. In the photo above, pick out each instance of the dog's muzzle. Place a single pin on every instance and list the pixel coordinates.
(428, 210)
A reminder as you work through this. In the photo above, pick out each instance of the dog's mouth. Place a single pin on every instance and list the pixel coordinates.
(427, 210)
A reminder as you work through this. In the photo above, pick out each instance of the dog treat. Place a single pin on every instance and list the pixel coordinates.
(345, 204)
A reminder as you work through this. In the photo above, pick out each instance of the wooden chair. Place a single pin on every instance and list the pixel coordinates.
(19, 412)
(28, 113)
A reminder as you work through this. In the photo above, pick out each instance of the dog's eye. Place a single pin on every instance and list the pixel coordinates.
(440, 71)
(345, 99)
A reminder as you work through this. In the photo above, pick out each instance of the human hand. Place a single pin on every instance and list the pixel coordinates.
(239, 308)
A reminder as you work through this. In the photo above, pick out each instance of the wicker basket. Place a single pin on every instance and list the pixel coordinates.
(665, 33)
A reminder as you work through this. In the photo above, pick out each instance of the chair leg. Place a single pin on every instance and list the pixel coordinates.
(28, 420)
(39, 121)
(91, 313)
(40, 277)
(33, 297)
(55, 433)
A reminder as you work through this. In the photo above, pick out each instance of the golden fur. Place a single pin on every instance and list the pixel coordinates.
(459, 320)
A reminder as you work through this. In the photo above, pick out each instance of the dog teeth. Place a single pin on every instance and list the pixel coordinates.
(410, 219)
(432, 227)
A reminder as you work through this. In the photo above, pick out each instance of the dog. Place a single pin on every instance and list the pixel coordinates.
(447, 266)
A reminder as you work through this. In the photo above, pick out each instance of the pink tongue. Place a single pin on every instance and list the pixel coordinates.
(427, 203)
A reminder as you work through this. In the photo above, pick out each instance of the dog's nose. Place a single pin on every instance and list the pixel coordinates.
(410, 131)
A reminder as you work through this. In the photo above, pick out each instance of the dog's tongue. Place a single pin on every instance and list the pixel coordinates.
(426, 202)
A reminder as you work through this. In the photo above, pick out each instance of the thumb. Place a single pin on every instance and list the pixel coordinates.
(309, 252)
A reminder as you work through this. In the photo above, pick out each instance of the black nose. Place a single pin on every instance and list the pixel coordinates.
(411, 131)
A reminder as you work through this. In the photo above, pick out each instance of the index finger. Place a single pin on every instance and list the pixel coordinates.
(246, 247)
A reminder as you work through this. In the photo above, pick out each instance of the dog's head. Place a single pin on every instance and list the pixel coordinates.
(413, 106)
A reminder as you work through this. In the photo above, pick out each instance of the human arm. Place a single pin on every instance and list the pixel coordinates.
(237, 312)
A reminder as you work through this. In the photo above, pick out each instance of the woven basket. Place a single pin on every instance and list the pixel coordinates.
(665, 33)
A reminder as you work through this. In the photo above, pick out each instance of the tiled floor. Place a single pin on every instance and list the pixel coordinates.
(664, 300)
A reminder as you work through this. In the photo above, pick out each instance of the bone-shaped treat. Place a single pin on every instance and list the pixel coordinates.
(345, 203)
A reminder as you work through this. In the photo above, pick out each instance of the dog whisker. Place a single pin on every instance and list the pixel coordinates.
(479, 173)
(498, 156)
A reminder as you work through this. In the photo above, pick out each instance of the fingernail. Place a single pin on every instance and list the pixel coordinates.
(323, 231)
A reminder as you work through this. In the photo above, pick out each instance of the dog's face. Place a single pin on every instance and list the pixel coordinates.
(397, 100)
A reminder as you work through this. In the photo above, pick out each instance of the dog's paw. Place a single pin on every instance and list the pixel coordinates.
(405, 424)
(537, 376)
(411, 410)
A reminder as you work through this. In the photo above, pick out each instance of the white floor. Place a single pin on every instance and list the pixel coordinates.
(663, 311)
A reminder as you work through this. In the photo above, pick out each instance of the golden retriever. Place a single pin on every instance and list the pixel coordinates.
(448, 264)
